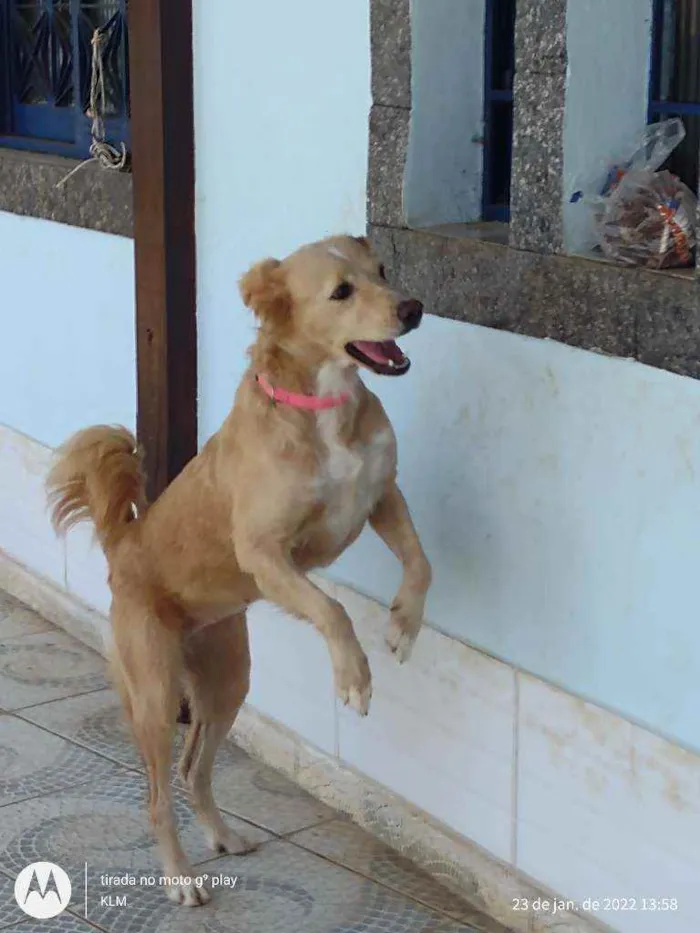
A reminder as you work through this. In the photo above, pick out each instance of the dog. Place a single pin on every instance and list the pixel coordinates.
(305, 458)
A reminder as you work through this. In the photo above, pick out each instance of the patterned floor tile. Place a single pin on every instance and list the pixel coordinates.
(279, 889)
(94, 720)
(17, 619)
(104, 824)
(10, 912)
(249, 789)
(45, 666)
(346, 844)
(70, 748)
(32, 762)
(242, 786)
(64, 923)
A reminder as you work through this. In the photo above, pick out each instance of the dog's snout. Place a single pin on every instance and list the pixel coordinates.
(410, 312)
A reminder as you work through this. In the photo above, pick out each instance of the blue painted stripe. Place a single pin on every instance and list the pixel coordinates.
(673, 108)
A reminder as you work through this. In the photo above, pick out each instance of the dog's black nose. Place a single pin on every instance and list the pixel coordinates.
(410, 313)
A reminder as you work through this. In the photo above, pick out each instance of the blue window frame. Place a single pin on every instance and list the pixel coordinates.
(675, 79)
(46, 68)
(499, 59)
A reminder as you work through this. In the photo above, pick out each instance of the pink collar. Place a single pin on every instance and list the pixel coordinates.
(297, 400)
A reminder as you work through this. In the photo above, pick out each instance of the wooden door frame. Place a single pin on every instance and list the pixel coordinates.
(162, 140)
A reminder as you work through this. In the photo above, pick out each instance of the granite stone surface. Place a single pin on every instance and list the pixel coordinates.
(93, 197)
(537, 208)
(391, 52)
(539, 91)
(627, 312)
(540, 36)
(387, 158)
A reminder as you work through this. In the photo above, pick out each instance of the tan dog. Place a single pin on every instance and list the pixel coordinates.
(305, 458)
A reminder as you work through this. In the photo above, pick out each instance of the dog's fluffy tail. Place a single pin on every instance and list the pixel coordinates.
(98, 476)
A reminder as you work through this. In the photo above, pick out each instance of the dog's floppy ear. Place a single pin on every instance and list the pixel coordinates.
(363, 241)
(264, 290)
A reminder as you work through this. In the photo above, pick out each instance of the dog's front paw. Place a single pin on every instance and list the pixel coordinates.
(188, 891)
(358, 699)
(403, 631)
(354, 683)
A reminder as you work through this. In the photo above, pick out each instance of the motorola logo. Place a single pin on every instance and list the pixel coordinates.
(43, 890)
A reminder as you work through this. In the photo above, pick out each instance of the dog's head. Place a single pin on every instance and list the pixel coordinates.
(331, 301)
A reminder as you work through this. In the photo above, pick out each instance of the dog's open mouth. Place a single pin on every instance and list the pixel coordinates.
(384, 357)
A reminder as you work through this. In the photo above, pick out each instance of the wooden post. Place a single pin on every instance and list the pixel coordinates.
(162, 134)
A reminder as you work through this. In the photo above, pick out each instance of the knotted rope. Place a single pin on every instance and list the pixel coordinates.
(102, 152)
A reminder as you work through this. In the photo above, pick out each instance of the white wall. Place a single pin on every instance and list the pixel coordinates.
(68, 360)
(445, 164)
(68, 334)
(606, 98)
(282, 109)
(561, 790)
(556, 490)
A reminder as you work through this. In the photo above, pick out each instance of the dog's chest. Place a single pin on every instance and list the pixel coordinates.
(351, 477)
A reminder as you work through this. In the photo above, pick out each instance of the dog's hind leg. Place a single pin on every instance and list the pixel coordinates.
(147, 660)
(217, 675)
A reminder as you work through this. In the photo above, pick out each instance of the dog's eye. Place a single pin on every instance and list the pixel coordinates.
(382, 272)
(342, 292)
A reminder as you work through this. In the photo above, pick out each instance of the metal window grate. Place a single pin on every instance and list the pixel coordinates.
(675, 79)
(499, 61)
(45, 68)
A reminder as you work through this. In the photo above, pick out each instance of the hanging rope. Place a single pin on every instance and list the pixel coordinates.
(102, 152)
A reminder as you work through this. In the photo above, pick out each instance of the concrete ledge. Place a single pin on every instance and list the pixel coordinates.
(631, 313)
(93, 198)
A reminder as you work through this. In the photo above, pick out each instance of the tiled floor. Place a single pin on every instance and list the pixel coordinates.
(72, 792)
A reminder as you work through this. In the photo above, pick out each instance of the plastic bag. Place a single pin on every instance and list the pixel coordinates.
(649, 151)
(642, 216)
(649, 219)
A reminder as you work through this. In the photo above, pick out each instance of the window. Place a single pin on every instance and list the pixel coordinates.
(499, 60)
(46, 58)
(675, 79)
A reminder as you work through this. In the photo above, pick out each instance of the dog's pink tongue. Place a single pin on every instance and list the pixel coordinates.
(384, 351)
